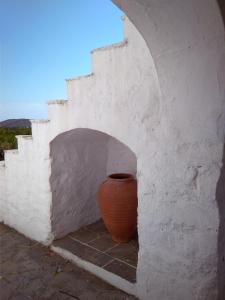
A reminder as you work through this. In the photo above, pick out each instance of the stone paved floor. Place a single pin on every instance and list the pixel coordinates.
(94, 244)
(29, 270)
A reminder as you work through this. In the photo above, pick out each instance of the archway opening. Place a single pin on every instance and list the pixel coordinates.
(81, 159)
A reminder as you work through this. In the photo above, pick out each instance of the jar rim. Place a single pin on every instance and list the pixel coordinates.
(121, 176)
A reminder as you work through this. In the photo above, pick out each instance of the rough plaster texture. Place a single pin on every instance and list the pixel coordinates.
(120, 159)
(25, 197)
(2, 187)
(170, 110)
(178, 228)
(81, 160)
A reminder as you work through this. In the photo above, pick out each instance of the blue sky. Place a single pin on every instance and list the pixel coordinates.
(42, 42)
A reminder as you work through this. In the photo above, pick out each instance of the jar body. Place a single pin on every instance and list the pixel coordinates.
(117, 199)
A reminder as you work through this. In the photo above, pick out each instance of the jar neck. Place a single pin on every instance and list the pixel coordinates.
(121, 177)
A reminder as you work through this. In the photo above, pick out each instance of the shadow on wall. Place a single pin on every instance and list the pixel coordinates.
(220, 196)
(80, 161)
(221, 4)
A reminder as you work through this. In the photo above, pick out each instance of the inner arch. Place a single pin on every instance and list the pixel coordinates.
(81, 160)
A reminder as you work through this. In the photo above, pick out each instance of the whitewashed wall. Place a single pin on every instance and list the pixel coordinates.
(108, 100)
(120, 159)
(168, 107)
(25, 192)
(181, 227)
(2, 189)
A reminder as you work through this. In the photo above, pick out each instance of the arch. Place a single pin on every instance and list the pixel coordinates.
(186, 41)
(178, 140)
(81, 159)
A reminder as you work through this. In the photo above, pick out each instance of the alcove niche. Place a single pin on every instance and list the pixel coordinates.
(81, 159)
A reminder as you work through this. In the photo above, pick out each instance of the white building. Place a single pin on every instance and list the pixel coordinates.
(155, 105)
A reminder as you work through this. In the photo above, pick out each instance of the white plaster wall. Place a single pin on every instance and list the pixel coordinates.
(122, 98)
(58, 114)
(26, 199)
(121, 75)
(178, 212)
(120, 159)
(2, 188)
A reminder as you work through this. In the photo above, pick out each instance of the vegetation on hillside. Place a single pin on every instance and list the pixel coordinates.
(8, 138)
(16, 123)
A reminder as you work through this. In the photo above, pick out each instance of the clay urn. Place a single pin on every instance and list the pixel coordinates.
(117, 200)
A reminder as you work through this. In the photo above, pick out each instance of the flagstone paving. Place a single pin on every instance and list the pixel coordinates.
(94, 244)
(29, 270)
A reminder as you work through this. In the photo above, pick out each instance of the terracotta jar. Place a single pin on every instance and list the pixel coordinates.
(117, 199)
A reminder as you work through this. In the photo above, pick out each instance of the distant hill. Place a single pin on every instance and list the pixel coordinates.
(13, 123)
